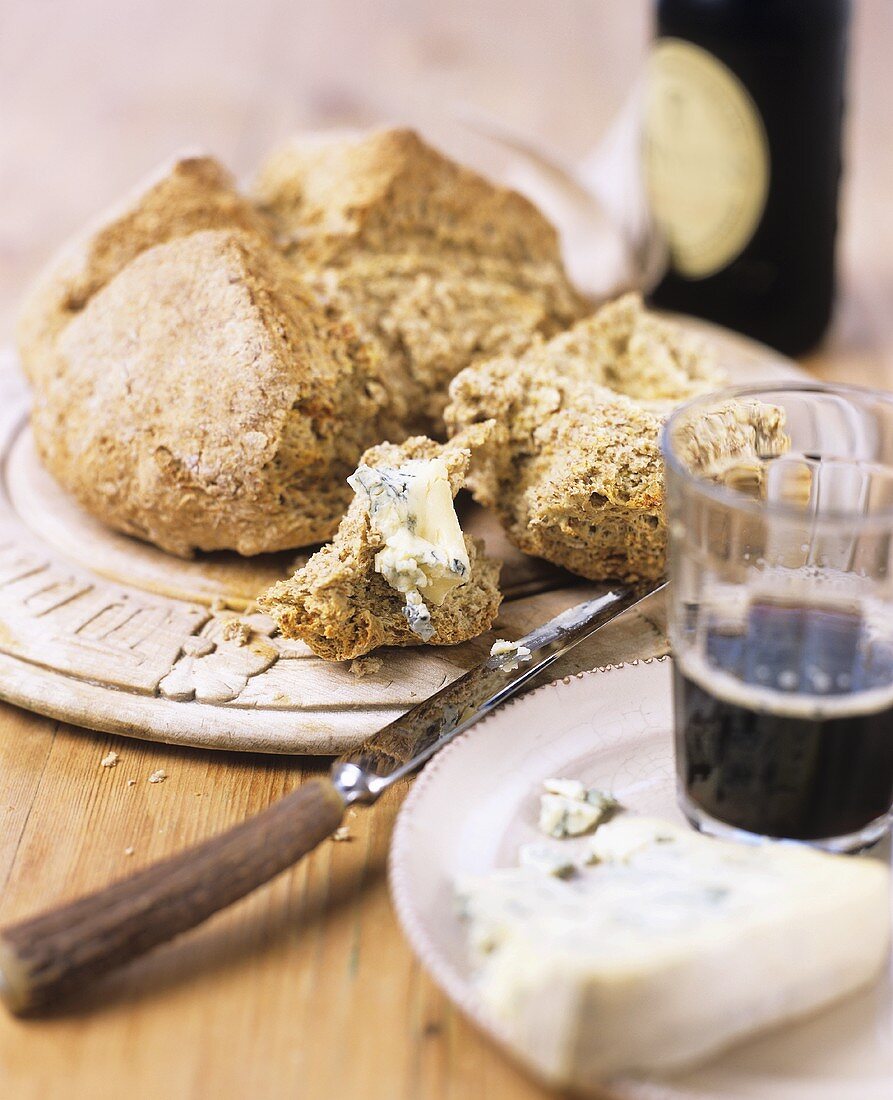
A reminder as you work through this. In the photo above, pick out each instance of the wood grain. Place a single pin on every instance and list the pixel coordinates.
(307, 988)
(56, 953)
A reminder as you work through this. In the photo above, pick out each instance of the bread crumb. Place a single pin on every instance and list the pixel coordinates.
(196, 646)
(238, 631)
(158, 776)
(129, 850)
(131, 782)
(341, 833)
(109, 760)
(365, 666)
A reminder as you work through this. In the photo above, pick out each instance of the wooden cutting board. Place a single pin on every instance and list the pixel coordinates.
(100, 630)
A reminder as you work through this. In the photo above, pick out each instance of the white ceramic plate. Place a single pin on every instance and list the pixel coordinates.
(477, 801)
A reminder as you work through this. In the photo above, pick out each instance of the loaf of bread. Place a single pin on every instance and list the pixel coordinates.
(342, 604)
(202, 399)
(209, 368)
(574, 470)
(439, 266)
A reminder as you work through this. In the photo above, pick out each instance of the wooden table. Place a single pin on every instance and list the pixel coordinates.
(308, 988)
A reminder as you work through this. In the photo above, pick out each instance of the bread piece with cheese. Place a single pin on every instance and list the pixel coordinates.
(668, 946)
(399, 571)
(191, 194)
(203, 399)
(575, 472)
(438, 265)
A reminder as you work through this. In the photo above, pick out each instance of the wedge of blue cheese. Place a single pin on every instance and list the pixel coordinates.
(668, 947)
(423, 554)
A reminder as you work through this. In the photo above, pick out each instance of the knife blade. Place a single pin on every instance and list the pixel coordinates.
(408, 742)
(62, 950)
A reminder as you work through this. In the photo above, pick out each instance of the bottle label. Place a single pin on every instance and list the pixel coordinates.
(706, 157)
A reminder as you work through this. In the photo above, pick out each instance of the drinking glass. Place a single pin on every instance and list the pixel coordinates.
(780, 511)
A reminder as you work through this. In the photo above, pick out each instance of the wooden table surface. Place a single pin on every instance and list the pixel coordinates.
(307, 989)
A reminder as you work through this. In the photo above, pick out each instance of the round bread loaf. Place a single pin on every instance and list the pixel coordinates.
(202, 399)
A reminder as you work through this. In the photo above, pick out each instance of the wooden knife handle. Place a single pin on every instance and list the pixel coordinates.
(61, 950)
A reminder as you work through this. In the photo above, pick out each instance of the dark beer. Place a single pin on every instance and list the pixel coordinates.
(743, 160)
(785, 727)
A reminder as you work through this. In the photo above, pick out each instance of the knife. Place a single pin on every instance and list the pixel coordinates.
(62, 950)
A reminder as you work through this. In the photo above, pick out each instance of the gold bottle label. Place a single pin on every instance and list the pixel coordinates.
(706, 157)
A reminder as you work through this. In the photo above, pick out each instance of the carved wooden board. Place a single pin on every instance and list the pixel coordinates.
(103, 631)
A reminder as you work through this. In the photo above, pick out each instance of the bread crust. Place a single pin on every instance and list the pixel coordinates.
(189, 194)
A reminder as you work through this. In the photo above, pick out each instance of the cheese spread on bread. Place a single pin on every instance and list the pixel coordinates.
(423, 553)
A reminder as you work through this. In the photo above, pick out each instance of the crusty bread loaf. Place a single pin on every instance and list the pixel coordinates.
(575, 473)
(342, 608)
(440, 266)
(192, 193)
(418, 267)
(202, 399)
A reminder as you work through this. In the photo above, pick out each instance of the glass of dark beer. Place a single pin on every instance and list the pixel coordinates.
(780, 510)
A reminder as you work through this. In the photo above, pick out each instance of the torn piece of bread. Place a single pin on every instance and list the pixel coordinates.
(399, 571)
(202, 399)
(191, 194)
(440, 266)
(574, 471)
(640, 354)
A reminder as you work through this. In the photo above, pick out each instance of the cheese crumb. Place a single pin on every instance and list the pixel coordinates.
(341, 833)
(365, 666)
(131, 782)
(109, 760)
(543, 858)
(129, 850)
(513, 652)
(569, 808)
(158, 776)
(567, 788)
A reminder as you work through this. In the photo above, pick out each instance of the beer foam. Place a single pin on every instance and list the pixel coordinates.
(789, 704)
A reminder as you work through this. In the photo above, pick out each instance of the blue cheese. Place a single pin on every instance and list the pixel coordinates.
(569, 808)
(546, 859)
(423, 554)
(510, 654)
(669, 947)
